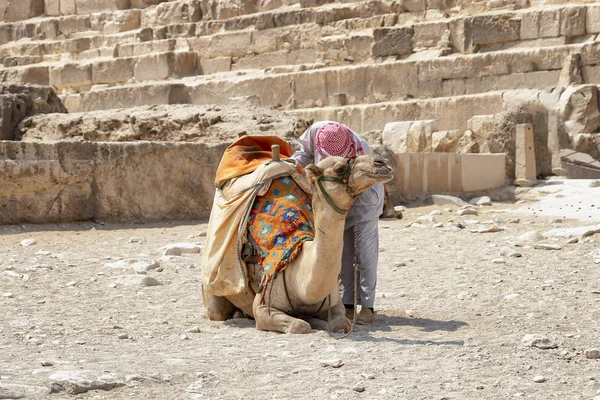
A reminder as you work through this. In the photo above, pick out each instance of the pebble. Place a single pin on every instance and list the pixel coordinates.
(194, 329)
(399, 264)
(499, 261)
(498, 220)
(442, 199)
(7, 295)
(481, 201)
(556, 221)
(528, 238)
(367, 375)
(72, 283)
(427, 219)
(572, 241)
(595, 183)
(509, 252)
(539, 379)
(514, 221)
(538, 341)
(137, 239)
(42, 253)
(592, 353)
(183, 336)
(547, 246)
(13, 274)
(28, 242)
(435, 212)
(467, 211)
(177, 249)
(487, 229)
(335, 363)
(416, 225)
(123, 336)
(47, 364)
(438, 225)
(359, 388)
(136, 280)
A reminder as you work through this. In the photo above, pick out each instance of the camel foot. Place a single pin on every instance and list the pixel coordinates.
(278, 321)
(218, 308)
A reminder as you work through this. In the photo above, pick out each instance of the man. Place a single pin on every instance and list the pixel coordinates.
(327, 138)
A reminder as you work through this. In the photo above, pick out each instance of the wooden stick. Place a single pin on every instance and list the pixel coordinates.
(275, 150)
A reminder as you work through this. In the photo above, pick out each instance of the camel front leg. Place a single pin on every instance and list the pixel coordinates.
(277, 320)
(338, 320)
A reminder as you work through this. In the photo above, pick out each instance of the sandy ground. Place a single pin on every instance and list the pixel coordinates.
(450, 319)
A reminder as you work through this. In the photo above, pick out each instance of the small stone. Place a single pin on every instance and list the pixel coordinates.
(547, 246)
(183, 336)
(511, 296)
(479, 387)
(435, 212)
(335, 363)
(481, 201)
(514, 221)
(592, 353)
(399, 264)
(539, 379)
(72, 283)
(529, 238)
(137, 239)
(426, 219)
(136, 280)
(28, 242)
(7, 295)
(42, 253)
(47, 364)
(556, 221)
(177, 249)
(467, 211)
(595, 183)
(13, 274)
(487, 229)
(499, 261)
(538, 341)
(194, 329)
(498, 220)
(509, 252)
(438, 225)
(416, 225)
(123, 336)
(399, 208)
(441, 199)
(358, 388)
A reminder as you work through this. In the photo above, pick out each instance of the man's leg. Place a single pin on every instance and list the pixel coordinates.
(347, 278)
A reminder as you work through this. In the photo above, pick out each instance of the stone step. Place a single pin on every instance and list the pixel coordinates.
(371, 83)
(76, 77)
(336, 44)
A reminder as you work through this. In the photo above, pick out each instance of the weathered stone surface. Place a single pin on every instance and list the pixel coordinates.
(572, 21)
(538, 341)
(577, 232)
(20, 101)
(446, 141)
(578, 107)
(95, 6)
(76, 382)
(392, 41)
(20, 391)
(173, 12)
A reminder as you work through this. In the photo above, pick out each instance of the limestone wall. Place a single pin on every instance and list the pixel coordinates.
(124, 182)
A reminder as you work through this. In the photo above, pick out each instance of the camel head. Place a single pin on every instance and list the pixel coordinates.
(339, 180)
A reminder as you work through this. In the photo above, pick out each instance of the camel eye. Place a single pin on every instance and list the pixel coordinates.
(339, 170)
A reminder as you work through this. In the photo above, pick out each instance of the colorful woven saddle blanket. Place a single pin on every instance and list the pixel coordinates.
(279, 223)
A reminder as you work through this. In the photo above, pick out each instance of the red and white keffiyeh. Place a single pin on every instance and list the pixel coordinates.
(334, 139)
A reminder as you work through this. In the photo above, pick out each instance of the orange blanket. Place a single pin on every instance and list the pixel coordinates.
(246, 154)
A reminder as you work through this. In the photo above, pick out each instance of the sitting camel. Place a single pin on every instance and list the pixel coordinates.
(299, 298)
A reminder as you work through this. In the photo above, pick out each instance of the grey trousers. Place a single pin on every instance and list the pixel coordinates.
(367, 242)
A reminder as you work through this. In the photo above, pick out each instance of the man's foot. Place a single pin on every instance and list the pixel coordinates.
(350, 313)
(365, 317)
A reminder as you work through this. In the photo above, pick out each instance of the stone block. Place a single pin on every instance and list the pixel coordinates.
(152, 67)
(73, 24)
(47, 29)
(113, 71)
(173, 12)
(493, 29)
(19, 10)
(122, 21)
(525, 170)
(52, 8)
(71, 76)
(428, 34)
(5, 33)
(68, 7)
(540, 24)
(482, 171)
(573, 21)
(592, 19)
(445, 141)
(392, 41)
(264, 42)
(481, 126)
(96, 6)
(395, 134)
(235, 44)
(182, 63)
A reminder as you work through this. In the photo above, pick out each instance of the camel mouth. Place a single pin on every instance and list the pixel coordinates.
(383, 174)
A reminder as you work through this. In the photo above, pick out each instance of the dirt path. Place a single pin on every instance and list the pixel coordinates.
(450, 324)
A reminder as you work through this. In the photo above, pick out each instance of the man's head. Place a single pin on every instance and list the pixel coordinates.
(334, 139)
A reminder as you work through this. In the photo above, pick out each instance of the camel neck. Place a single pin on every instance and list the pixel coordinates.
(320, 269)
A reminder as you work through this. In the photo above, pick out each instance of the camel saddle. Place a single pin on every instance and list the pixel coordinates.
(245, 172)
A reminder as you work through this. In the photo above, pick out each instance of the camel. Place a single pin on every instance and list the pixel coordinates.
(301, 297)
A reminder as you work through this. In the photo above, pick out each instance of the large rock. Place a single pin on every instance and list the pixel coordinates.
(20, 101)
(392, 41)
(409, 136)
(19, 391)
(578, 108)
(77, 382)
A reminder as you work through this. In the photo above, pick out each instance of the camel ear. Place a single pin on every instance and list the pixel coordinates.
(312, 172)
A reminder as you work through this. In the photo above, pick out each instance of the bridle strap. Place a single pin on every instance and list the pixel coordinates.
(342, 180)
